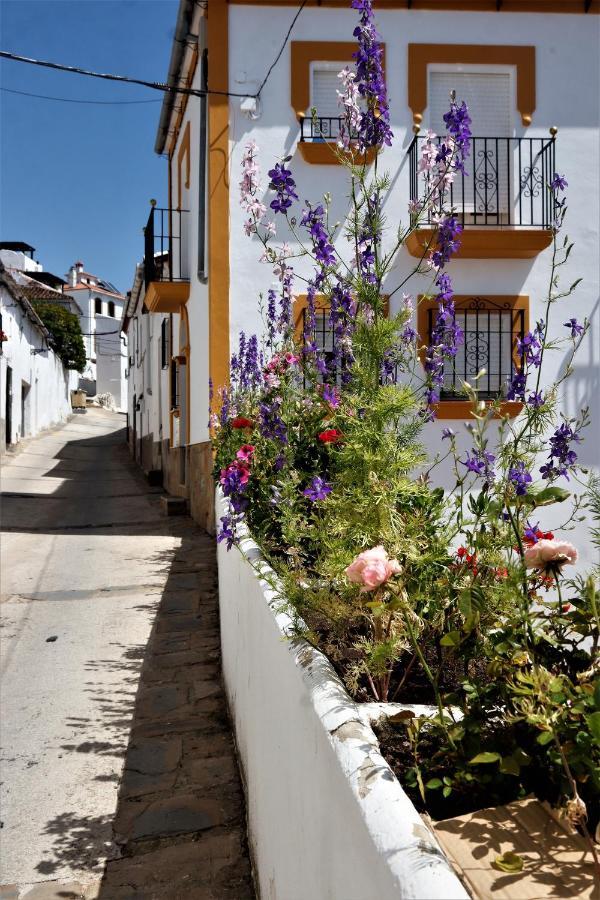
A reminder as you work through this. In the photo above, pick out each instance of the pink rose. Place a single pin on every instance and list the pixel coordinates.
(550, 554)
(372, 568)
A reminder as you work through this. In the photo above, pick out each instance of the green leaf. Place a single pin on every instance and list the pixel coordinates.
(433, 784)
(452, 639)
(486, 757)
(544, 738)
(597, 694)
(447, 791)
(509, 862)
(548, 495)
(509, 766)
(464, 602)
(593, 721)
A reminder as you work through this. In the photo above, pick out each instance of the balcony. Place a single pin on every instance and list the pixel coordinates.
(317, 134)
(166, 263)
(503, 200)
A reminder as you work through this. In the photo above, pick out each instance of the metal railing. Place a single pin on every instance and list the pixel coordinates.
(489, 344)
(505, 182)
(320, 128)
(166, 246)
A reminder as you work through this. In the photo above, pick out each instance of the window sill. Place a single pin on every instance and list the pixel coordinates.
(323, 153)
(461, 409)
(488, 243)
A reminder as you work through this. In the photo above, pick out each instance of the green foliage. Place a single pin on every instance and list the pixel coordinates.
(66, 340)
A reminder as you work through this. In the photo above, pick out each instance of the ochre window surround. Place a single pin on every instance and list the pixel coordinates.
(302, 54)
(461, 409)
(421, 55)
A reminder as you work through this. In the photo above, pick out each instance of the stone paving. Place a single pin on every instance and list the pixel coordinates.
(180, 822)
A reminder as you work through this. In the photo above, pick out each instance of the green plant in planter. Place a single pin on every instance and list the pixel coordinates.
(318, 451)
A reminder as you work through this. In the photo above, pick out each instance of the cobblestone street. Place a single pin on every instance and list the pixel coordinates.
(120, 776)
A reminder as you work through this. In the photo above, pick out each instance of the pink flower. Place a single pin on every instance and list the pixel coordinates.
(550, 554)
(372, 568)
(245, 452)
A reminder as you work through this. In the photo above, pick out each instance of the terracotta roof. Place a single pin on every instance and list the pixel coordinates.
(95, 288)
(37, 291)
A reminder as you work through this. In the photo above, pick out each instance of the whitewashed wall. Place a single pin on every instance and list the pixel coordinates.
(567, 48)
(197, 304)
(111, 357)
(49, 397)
(327, 819)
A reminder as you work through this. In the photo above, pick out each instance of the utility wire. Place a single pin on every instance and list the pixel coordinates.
(153, 85)
(70, 100)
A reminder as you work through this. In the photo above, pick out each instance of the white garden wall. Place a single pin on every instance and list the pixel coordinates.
(327, 818)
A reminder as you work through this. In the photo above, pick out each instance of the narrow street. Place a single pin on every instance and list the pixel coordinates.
(119, 778)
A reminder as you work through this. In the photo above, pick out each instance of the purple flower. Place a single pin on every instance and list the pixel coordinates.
(317, 490)
(374, 128)
(531, 532)
(331, 396)
(480, 463)
(272, 425)
(576, 328)
(457, 121)
(535, 399)
(520, 477)
(516, 389)
(284, 186)
(227, 531)
(559, 182)
(448, 433)
(313, 220)
(561, 457)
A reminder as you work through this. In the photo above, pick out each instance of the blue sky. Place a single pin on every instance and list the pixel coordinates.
(76, 179)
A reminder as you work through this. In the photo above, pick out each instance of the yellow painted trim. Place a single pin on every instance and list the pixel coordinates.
(183, 152)
(488, 243)
(324, 153)
(218, 186)
(518, 6)
(321, 303)
(184, 100)
(185, 351)
(461, 409)
(166, 296)
(420, 55)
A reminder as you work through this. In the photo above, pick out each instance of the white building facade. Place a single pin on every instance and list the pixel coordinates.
(102, 309)
(35, 386)
(522, 66)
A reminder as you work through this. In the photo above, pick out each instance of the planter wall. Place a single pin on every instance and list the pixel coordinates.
(327, 818)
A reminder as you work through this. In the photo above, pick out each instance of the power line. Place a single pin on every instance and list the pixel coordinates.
(71, 100)
(283, 46)
(153, 85)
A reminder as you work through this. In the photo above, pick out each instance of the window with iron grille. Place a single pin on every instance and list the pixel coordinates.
(174, 385)
(490, 328)
(165, 344)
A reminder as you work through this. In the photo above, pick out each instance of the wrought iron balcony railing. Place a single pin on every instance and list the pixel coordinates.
(166, 246)
(320, 128)
(505, 182)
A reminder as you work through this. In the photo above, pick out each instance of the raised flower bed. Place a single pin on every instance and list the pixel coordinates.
(456, 597)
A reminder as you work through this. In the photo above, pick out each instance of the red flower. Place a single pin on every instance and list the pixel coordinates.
(330, 436)
(241, 422)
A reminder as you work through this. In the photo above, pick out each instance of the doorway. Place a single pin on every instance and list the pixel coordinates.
(8, 404)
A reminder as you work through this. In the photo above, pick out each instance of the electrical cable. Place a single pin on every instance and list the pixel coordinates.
(153, 85)
(70, 100)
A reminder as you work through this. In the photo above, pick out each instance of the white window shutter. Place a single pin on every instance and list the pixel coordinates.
(325, 83)
(487, 94)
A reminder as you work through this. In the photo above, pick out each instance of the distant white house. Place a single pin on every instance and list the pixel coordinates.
(35, 386)
(102, 308)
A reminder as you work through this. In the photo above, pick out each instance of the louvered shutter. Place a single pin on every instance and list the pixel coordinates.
(488, 96)
(325, 83)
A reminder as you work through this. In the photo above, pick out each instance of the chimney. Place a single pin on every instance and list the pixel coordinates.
(74, 273)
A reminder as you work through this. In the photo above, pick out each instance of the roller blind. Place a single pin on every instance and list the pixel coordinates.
(487, 94)
(325, 83)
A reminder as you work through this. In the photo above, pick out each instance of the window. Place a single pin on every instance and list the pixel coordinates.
(486, 186)
(491, 326)
(165, 344)
(174, 384)
(98, 306)
(111, 309)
